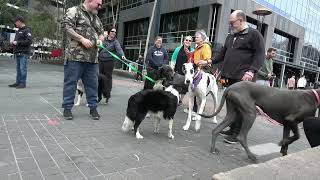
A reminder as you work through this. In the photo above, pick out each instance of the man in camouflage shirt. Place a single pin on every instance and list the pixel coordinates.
(83, 29)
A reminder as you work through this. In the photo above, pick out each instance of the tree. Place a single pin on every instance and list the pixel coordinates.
(115, 14)
(7, 13)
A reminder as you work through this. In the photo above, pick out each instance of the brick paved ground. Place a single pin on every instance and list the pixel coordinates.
(36, 143)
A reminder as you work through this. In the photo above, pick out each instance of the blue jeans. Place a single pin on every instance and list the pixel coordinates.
(88, 72)
(21, 68)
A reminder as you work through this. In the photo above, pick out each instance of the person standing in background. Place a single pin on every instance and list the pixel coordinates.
(106, 60)
(291, 83)
(156, 57)
(21, 50)
(302, 82)
(265, 73)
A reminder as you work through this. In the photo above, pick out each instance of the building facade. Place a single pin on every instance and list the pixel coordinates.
(292, 28)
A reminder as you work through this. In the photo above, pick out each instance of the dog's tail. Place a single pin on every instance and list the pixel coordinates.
(223, 98)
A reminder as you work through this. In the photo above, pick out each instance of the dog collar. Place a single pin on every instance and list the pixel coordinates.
(196, 79)
(317, 96)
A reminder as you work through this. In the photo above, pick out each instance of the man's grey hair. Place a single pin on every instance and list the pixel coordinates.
(241, 14)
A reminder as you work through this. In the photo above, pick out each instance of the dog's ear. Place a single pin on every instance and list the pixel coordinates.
(184, 68)
(195, 67)
(161, 72)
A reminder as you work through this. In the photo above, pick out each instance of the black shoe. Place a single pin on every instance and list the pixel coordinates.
(21, 86)
(67, 114)
(231, 139)
(13, 85)
(107, 100)
(94, 114)
(226, 133)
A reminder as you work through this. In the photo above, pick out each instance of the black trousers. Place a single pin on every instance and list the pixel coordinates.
(106, 68)
(311, 126)
(235, 127)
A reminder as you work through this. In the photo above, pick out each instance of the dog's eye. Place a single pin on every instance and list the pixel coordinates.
(191, 71)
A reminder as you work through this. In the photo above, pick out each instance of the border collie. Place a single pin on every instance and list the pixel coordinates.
(101, 89)
(162, 103)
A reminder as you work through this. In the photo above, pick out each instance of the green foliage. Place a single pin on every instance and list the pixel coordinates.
(8, 13)
(43, 25)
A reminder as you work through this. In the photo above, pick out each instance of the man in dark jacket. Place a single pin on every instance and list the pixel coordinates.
(21, 49)
(156, 57)
(242, 56)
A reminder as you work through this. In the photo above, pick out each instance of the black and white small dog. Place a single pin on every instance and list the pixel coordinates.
(161, 103)
(101, 89)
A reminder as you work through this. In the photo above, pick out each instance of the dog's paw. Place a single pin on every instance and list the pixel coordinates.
(139, 136)
(197, 130)
(185, 127)
(214, 150)
(283, 152)
(214, 121)
(171, 136)
(156, 131)
(253, 158)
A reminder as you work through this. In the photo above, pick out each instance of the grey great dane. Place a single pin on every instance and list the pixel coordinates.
(288, 107)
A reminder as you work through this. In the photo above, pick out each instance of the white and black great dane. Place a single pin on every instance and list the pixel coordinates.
(200, 84)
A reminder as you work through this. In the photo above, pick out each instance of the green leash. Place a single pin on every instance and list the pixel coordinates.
(129, 65)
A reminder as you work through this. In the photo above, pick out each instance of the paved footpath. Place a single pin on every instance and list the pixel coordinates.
(36, 143)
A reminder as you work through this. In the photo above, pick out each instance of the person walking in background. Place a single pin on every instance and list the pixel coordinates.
(265, 74)
(140, 68)
(106, 60)
(156, 57)
(242, 55)
(291, 82)
(181, 55)
(84, 32)
(21, 50)
(302, 82)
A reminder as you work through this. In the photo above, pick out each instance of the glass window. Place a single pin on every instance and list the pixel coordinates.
(174, 25)
(136, 31)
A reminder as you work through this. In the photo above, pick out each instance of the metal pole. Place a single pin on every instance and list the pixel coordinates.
(149, 31)
(213, 22)
(140, 45)
(283, 68)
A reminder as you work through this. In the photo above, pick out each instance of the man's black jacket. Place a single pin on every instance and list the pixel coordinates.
(24, 40)
(242, 52)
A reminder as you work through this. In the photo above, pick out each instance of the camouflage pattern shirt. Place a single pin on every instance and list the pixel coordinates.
(87, 25)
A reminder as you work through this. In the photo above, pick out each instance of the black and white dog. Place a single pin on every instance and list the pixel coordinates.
(101, 89)
(161, 103)
(200, 85)
(164, 74)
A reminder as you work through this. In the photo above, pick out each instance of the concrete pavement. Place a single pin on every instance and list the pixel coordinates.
(36, 143)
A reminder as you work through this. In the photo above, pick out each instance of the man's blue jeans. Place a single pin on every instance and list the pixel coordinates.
(21, 68)
(88, 72)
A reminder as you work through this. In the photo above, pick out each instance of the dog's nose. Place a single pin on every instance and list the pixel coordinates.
(187, 81)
